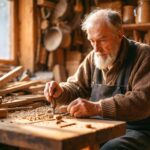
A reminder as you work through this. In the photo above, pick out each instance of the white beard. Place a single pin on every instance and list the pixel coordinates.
(104, 62)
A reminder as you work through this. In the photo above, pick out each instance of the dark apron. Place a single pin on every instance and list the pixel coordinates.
(101, 91)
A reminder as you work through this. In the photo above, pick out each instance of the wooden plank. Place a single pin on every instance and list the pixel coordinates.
(14, 88)
(23, 100)
(36, 88)
(10, 75)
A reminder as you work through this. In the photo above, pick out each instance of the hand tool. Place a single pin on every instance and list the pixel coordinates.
(53, 105)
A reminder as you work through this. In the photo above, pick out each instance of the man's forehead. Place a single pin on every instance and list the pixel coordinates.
(97, 25)
(98, 32)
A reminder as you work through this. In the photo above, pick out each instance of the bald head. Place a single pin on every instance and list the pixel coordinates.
(102, 17)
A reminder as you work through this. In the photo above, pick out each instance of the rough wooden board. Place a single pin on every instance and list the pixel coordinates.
(5, 91)
(48, 135)
(68, 138)
(23, 100)
(10, 75)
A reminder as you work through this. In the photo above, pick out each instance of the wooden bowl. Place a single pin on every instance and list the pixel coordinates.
(53, 38)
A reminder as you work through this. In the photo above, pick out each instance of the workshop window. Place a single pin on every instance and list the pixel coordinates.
(7, 35)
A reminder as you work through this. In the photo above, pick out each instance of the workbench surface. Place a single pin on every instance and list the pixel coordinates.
(50, 135)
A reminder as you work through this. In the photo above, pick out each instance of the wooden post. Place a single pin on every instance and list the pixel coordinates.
(27, 33)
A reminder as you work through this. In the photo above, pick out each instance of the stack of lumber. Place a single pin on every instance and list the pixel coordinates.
(4, 69)
(16, 89)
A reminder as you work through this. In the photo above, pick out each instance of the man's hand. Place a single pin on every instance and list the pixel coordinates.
(84, 108)
(52, 90)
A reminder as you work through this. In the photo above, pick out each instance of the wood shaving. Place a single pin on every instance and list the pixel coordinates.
(88, 126)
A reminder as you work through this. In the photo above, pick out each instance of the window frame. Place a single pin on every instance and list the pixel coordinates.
(13, 34)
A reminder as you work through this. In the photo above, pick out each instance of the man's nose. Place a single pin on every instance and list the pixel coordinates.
(97, 47)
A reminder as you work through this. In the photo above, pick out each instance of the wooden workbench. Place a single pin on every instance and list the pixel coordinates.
(47, 135)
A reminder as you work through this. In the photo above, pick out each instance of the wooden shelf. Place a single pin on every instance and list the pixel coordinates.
(142, 27)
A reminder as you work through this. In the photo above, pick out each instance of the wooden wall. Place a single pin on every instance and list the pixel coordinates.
(27, 33)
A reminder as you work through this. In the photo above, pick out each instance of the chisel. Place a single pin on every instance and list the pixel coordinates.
(53, 105)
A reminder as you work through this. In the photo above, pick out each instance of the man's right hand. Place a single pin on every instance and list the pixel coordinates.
(52, 90)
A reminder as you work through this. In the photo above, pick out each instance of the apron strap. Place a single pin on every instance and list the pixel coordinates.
(124, 75)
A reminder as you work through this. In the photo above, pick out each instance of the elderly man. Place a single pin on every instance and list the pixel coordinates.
(113, 81)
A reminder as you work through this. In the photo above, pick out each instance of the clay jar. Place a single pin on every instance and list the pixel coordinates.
(128, 14)
(143, 11)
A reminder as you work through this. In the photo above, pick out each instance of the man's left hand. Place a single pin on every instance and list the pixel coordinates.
(84, 108)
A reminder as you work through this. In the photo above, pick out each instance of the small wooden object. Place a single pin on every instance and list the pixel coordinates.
(88, 126)
(66, 125)
(58, 117)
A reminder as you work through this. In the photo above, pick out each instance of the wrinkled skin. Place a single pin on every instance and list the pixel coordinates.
(83, 108)
(52, 90)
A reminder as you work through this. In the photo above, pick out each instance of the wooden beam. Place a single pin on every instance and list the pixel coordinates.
(27, 33)
(143, 26)
(7, 62)
(14, 33)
